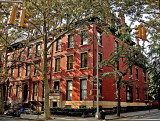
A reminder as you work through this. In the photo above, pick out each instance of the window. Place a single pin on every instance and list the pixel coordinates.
(83, 89)
(145, 94)
(69, 62)
(100, 87)
(129, 96)
(35, 69)
(21, 55)
(58, 45)
(99, 59)
(70, 41)
(69, 90)
(57, 64)
(49, 50)
(48, 65)
(56, 85)
(136, 73)
(38, 48)
(99, 37)
(83, 60)
(116, 46)
(84, 38)
(130, 73)
(27, 70)
(12, 71)
(145, 77)
(35, 91)
(19, 70)
(17, 90)
(10, 91)
(43, 91)
(137, 93)
(29, 52)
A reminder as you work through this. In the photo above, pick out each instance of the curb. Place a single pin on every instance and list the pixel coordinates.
(130, 116)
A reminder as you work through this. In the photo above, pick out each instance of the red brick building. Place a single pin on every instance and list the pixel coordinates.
(72, 73)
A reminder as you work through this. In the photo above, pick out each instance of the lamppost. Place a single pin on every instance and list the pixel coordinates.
(97, 86)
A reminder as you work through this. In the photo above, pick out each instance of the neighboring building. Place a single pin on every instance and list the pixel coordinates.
(72, 73)
(25, 83)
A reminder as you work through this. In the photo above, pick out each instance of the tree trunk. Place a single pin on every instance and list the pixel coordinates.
(45, 71)
(118, 99)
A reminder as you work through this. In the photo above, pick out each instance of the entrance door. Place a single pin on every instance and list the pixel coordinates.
(54, 104)
(25, 92)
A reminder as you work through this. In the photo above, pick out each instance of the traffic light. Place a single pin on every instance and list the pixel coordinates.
(143, 33)
(13, 13)
(138, 31)
(23, 19)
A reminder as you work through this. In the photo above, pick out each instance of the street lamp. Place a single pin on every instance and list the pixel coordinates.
(97, 80)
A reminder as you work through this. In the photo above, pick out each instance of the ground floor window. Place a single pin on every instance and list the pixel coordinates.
(35, 91)
(129, 95)
(83, 89)
(69, 90)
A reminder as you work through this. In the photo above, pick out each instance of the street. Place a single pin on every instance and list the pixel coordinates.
(145, 117)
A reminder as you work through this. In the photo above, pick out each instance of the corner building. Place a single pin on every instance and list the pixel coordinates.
(72, 73)
(73, 81)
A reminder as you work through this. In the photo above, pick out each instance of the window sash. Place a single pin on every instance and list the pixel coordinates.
(83, 60)
(35, 69)
(57, 64)
(38, 47)
(17, 90)
(69, 62)
(83, 89)
(29, 52)
(27, 70)
(129, 95)
(100, 59)
(136, 73)
(69, 90)
(137, 93)
(58, 45)
(99, 37)
(19, 70)
(35, 91)
(56, 85)
(84, 38)
(70, 41)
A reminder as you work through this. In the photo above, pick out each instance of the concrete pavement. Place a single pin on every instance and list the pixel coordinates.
(130, 114)
(67, 118)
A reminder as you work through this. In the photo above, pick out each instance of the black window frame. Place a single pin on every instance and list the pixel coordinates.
(57, 65)
(69, 62)
(84, 60)
(58, 45)
(84, 37)
(69, 91)
(83, 91)
(129, 93)
(71, 41)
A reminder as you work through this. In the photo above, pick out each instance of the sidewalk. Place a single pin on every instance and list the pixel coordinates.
(107, 117)
(130, 114)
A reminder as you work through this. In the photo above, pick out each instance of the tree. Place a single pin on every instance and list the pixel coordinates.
(132, 56)
(56, 18)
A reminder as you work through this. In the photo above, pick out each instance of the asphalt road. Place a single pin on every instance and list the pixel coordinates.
(147, 117)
